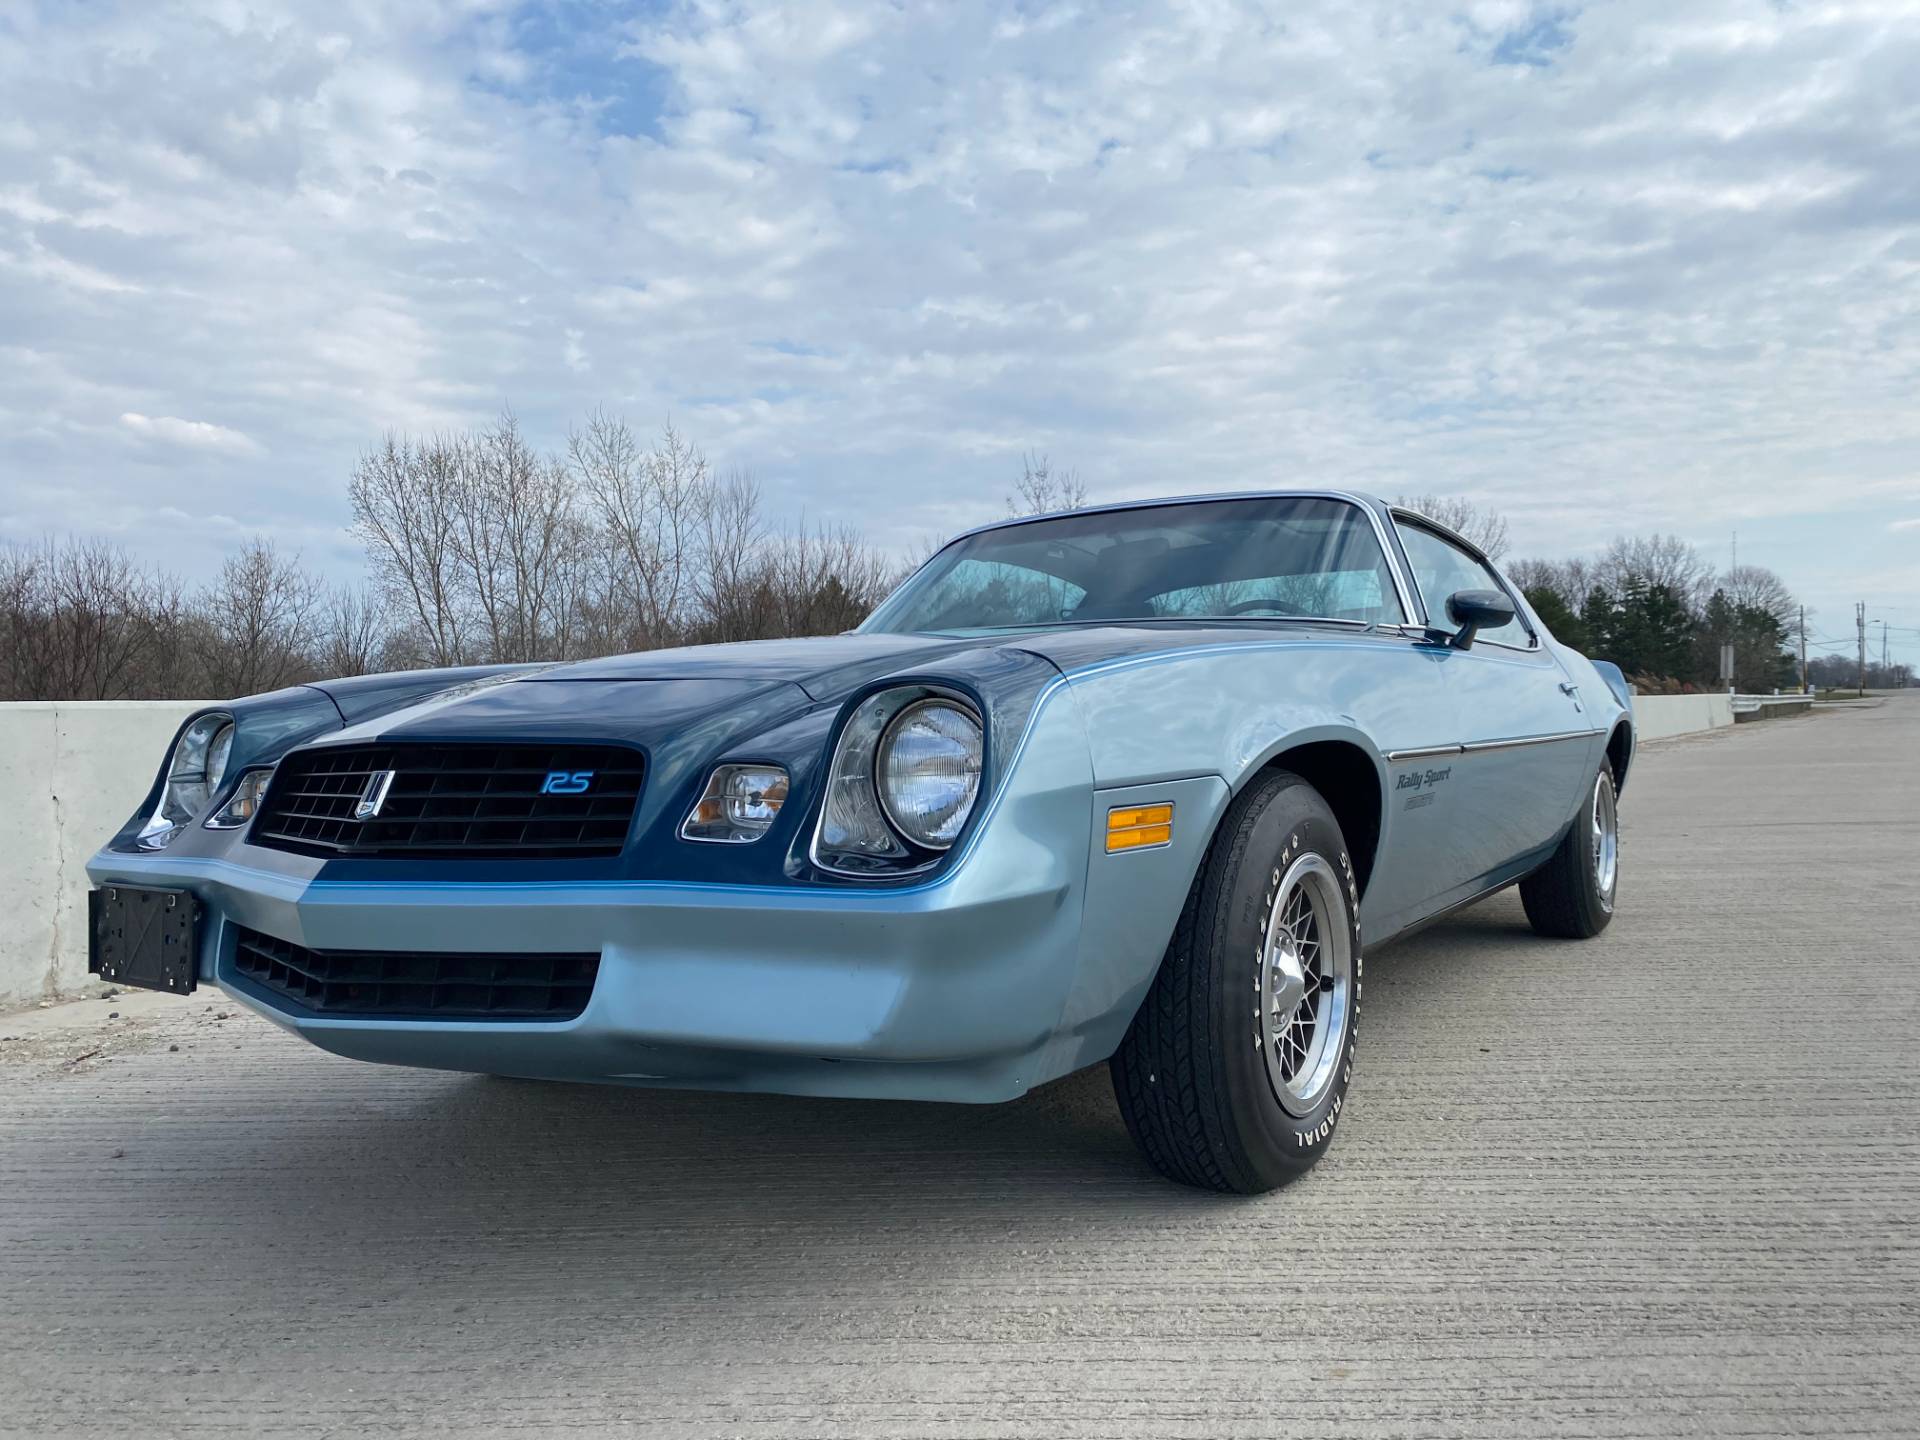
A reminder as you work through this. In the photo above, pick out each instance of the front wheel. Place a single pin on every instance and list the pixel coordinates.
(1234, 1071)
(1571, 896)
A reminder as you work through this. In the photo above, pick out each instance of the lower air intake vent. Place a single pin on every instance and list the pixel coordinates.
(419, 984)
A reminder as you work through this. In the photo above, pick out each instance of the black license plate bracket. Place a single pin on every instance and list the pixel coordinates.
(146, 938)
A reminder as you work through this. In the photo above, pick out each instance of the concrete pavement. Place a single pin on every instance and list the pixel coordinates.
(1663, 1183)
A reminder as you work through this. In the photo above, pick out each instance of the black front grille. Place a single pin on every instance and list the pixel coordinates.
(417, 983)
(477, 801)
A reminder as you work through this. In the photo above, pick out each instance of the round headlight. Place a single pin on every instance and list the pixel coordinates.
(929, 771)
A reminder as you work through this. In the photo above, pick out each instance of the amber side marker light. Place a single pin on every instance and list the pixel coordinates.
(1139, 827)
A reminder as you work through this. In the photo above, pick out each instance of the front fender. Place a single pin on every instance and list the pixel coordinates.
(1616, 681)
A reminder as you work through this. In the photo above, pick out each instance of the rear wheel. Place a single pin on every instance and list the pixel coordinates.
(1235, 1069)
(1571, 896)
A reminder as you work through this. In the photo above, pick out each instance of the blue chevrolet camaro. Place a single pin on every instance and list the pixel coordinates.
(1137, 783)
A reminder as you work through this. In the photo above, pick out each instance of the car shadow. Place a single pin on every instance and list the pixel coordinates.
(487, 1166)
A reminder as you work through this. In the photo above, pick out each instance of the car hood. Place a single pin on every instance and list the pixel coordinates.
(709, 694)
(824, 666)
(691, 702)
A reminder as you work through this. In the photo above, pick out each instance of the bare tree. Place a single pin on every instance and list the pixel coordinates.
(253, 629)
(1482, 526)
(1041, 489)
(1572, 580)
(1650, 560)
(515, 541)
(735, 593)
(82, 621)
(826, 580)
(28, 628)
(1758, 588)
(758, 584)
(406, 499)
(1531, 574)
(477, 540)
(654, 508)
(355, 635)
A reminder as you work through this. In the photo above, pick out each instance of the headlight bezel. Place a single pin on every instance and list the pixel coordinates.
(188, 780)
(854, 836)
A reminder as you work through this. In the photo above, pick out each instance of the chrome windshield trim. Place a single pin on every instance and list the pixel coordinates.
(1402, 584)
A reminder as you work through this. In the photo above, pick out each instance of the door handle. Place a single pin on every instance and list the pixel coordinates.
(1572, 692)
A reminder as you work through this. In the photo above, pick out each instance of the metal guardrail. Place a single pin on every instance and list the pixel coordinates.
(1760, 704)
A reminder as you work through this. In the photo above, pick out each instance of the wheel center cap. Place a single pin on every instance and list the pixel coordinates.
(1289, 980)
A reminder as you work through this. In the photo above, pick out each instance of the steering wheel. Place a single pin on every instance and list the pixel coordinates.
(1243, 607)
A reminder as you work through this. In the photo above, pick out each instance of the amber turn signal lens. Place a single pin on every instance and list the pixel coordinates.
(1139, 827)
(740, 804)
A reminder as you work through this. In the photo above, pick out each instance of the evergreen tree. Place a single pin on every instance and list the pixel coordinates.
(1597, 615)
(1761, 662)
(1554, 612)
(1652, 632)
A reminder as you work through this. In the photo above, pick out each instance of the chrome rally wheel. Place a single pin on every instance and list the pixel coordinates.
(1604, 815)
(1306, 982)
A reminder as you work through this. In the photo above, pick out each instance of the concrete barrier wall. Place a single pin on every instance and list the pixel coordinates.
(70, 775)
(1656, 717)
(72, 771)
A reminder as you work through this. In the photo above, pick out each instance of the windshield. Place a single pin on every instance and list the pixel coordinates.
(1269, 558)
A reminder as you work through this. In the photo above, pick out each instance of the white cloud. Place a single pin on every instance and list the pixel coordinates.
(1638, 266)
(1913, 524)
(193, 434)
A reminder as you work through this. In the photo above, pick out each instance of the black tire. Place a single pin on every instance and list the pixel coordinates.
(1566, 898)
(1192, 1075)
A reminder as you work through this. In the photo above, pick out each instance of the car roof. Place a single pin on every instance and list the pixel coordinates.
(1384, 511)
(1304, 492)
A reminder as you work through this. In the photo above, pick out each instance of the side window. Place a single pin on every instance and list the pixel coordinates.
(1441, 569)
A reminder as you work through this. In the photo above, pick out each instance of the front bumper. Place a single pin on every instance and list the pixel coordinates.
(947, 991)
(1023, 960)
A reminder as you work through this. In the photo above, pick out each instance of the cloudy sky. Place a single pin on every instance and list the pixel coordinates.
(1625, 266)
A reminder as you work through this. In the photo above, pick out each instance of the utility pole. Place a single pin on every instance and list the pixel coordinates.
(1803, 649)
(1885, 669)
(1860, 624)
